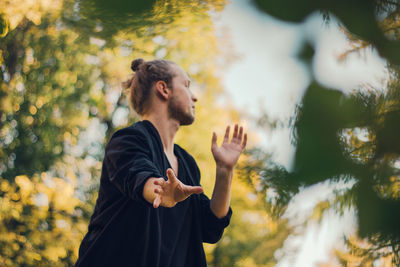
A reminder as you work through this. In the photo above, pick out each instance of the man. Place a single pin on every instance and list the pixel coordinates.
(151, 210)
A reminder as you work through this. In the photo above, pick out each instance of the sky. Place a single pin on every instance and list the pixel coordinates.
(268, 77)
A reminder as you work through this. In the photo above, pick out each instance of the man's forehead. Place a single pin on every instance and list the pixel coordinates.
(180, 72)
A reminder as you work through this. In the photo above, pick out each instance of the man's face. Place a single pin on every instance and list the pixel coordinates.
(181, 104)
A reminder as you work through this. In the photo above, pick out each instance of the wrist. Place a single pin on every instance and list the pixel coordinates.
(148, 190)
(224, 173)
(224, 168)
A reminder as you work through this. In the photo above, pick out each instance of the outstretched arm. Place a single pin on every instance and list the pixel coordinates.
(226, 157)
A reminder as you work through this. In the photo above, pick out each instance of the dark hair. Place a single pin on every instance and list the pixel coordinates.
(146, 74)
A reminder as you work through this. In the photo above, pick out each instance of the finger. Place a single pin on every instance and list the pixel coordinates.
(157, 201)
(158, 190)
(235, 132)
(240, 134)
(214, 141)
(226, 137)
(244, 141)
(159, 182)
(171, 176)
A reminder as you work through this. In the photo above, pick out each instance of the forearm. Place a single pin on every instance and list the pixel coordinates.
(148, 190)
(221, 196)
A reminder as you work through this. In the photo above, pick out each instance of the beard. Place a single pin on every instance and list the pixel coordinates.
(175, 112)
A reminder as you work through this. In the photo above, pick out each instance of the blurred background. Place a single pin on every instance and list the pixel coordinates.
(316, 83)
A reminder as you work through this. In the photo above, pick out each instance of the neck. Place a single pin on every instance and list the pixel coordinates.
(166, 128)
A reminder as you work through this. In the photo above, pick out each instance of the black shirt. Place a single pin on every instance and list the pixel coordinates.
(125, 230)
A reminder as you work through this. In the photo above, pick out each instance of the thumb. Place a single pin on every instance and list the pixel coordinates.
(214, 141)
(193, 189)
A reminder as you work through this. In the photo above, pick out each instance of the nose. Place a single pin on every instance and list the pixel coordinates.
(194, 98)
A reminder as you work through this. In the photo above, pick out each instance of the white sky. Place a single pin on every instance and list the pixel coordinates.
(267, 76)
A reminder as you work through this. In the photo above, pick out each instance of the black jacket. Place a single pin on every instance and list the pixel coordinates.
(125, 230)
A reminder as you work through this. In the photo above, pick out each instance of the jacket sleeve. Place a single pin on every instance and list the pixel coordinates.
(212, 227)
(129, 163)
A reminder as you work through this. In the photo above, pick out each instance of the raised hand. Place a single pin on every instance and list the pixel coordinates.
(227, 155)
(172, 191)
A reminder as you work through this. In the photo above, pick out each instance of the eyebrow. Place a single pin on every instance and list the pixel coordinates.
(189, 80)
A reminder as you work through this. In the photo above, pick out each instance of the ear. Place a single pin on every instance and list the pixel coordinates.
(162, 90)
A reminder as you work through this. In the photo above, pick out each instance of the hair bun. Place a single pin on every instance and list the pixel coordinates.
(136, 64)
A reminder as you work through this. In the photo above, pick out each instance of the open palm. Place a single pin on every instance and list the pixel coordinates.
(172, 191)
(228, 153)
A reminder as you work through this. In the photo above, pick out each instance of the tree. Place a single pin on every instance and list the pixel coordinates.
(341, 137)
(362, 18)
(61, 67)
